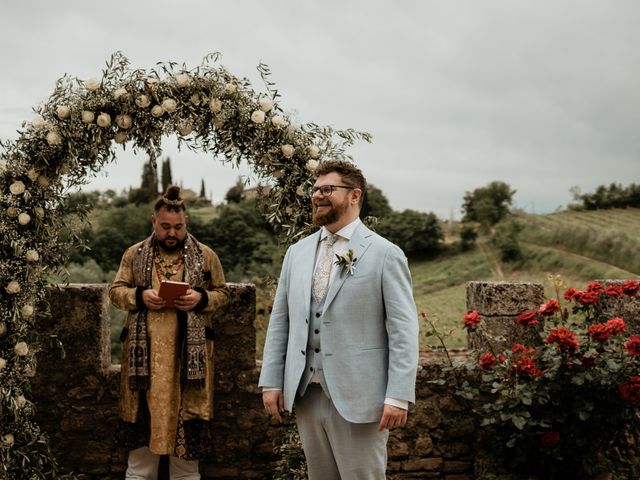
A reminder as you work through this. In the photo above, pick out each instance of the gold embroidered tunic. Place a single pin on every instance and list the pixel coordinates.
(166, 401)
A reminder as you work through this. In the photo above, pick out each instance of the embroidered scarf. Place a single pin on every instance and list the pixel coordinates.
(193, 353)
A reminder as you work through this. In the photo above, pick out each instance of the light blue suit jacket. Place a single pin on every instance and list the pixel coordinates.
(369, 332)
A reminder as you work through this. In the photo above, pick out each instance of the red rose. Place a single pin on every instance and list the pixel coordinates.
(525, 365)
(600, 332)
(549, 308)
(501, 358)
(550, 439)
(569, 293)
(471, 320)
(633, 346)
(527, 318)
(587, 298)
(614, 291)
(595, 287)
(564, 338)
(518, 348)
(630, 390)
(616, 325)
(630, 287)
(487, 361)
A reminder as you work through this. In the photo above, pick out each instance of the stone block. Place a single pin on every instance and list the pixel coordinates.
(426, 464)
(492, 299)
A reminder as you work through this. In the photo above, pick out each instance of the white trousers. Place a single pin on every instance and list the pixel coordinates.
(143, 465)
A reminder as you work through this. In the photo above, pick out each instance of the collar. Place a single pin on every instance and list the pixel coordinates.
(345, 232)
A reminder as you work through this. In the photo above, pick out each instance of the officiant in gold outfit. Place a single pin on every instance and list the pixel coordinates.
(166, 391)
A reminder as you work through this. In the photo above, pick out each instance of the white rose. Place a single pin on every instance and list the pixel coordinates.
(143, 101)
(124, 121)
(21, 349)
(278, 121)
(157, 111)
(185, 129)
(230, 87)
(104, 120)
(27, 311)
(3, 328)
(63, 112)
(301, 191)
(53, 139)
(312, 165)
(121, 137)
(43, 181)
(13, 212)
(13, 287)
(38, 123)
(257, 116)
(92, 84)
(265, 103)
(24, 218)
(39, 212)
(33, 174)
(87, 116)
(195, 99)
(170, 105)
(17, 188)
(32, 256)
(3, 363)
(183, 80)
(287, 150)
(120, 93)
(21, 401)
(218, 122)
(215, 105)
(314, 152)
(8, 439)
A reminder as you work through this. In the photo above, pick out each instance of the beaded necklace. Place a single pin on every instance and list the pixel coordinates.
(167, 268)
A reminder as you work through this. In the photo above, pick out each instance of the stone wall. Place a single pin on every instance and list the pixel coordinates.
(77, 395)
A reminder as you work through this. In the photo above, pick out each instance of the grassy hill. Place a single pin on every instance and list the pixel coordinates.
(578, 246)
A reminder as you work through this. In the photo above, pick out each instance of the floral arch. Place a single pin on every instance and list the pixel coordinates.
(75, 134)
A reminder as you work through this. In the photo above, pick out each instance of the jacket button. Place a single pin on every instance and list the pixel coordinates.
(311, 369)
(316, 331)
(302, 352)
(317, 350)
(317, 314)
(306, 320)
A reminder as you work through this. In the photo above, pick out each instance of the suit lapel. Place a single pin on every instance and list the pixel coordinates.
(359, 243)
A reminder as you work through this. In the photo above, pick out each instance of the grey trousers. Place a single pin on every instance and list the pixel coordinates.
(336, 449)
(143, 465)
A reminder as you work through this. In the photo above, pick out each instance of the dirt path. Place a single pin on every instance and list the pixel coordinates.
(492, 259)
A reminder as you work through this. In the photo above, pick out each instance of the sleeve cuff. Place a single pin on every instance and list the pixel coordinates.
(270, 389)
(204, 300)
(403, 404)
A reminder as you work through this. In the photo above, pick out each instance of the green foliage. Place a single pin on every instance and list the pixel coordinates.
(505, 239)
(613, 196)
(416, 233)
(291, 463)
(375, 204)
(148, 191)
(166, 178)
(236, 193)
(468, 237)
(487, 205)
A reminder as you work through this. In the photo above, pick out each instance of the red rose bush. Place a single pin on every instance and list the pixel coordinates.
(559, 402)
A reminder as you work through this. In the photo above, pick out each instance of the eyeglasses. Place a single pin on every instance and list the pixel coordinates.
(326, 190)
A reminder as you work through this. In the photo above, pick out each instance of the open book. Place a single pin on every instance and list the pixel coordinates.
(171, 290)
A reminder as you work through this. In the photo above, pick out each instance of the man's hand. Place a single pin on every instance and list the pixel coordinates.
(392, 417)
(152, 300)
(273, 401)
(188, 301)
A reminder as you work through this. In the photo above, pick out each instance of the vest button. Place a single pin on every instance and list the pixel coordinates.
(317, 314)
(302, 352)
(316, 331)
(317, 350)
(311, 369)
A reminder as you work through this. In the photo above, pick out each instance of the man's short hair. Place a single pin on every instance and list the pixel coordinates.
(350, 174)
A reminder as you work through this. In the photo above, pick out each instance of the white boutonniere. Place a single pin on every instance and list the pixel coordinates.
(346, 262)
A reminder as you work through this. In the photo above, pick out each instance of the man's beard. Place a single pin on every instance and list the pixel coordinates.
(178, 245)
(332, 216)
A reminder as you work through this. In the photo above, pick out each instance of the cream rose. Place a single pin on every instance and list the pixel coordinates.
(3, 363)
(21, 349)
(143, 101)
(124, 121)
(152, 83)
(195, 99)
(13, 212)
(53, 138)
(218, 122)
(8, 439)
(230, 87)
(312, 165)
(92, 84)
(21, 401)
(24, 218)
(38, 123)
(157, 111)
(43, 181)
(27, 311)
(215, 105)
(104, 120)
(32, 256)
(120, 93)
(257, 116)
(121, 137)
(301, 191)
(185, 129)
(265, 103)
(17, 188)
(87, 116)
(39, 212)
(64, 169)
(33, 174)
(170, 105)
(278, 121)
(63, 112)
(3, 328)
(278, 174)
(183, 80)
(313, 151)
(13, 287)
(287, 150)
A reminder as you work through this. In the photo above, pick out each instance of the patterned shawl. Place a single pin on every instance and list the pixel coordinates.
(193, 353)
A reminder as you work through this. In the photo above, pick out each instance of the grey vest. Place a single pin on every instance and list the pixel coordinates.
(313, 354)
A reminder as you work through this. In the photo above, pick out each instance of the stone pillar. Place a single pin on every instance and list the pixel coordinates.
(499, 304)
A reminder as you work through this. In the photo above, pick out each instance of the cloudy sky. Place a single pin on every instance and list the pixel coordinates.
(540, 94)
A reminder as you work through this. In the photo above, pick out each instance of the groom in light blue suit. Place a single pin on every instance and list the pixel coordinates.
(342, 342)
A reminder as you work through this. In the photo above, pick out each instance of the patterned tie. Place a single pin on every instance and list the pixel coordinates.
(323, 271)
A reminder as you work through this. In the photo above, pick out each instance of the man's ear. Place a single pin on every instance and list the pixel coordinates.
(357, 194)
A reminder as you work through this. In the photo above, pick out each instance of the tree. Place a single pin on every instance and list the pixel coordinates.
(505, 239)
(416, 233)
(487, 205)
(148, 190)
(236, 193)
(203, 192)
(166, 178)
(375, 204)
